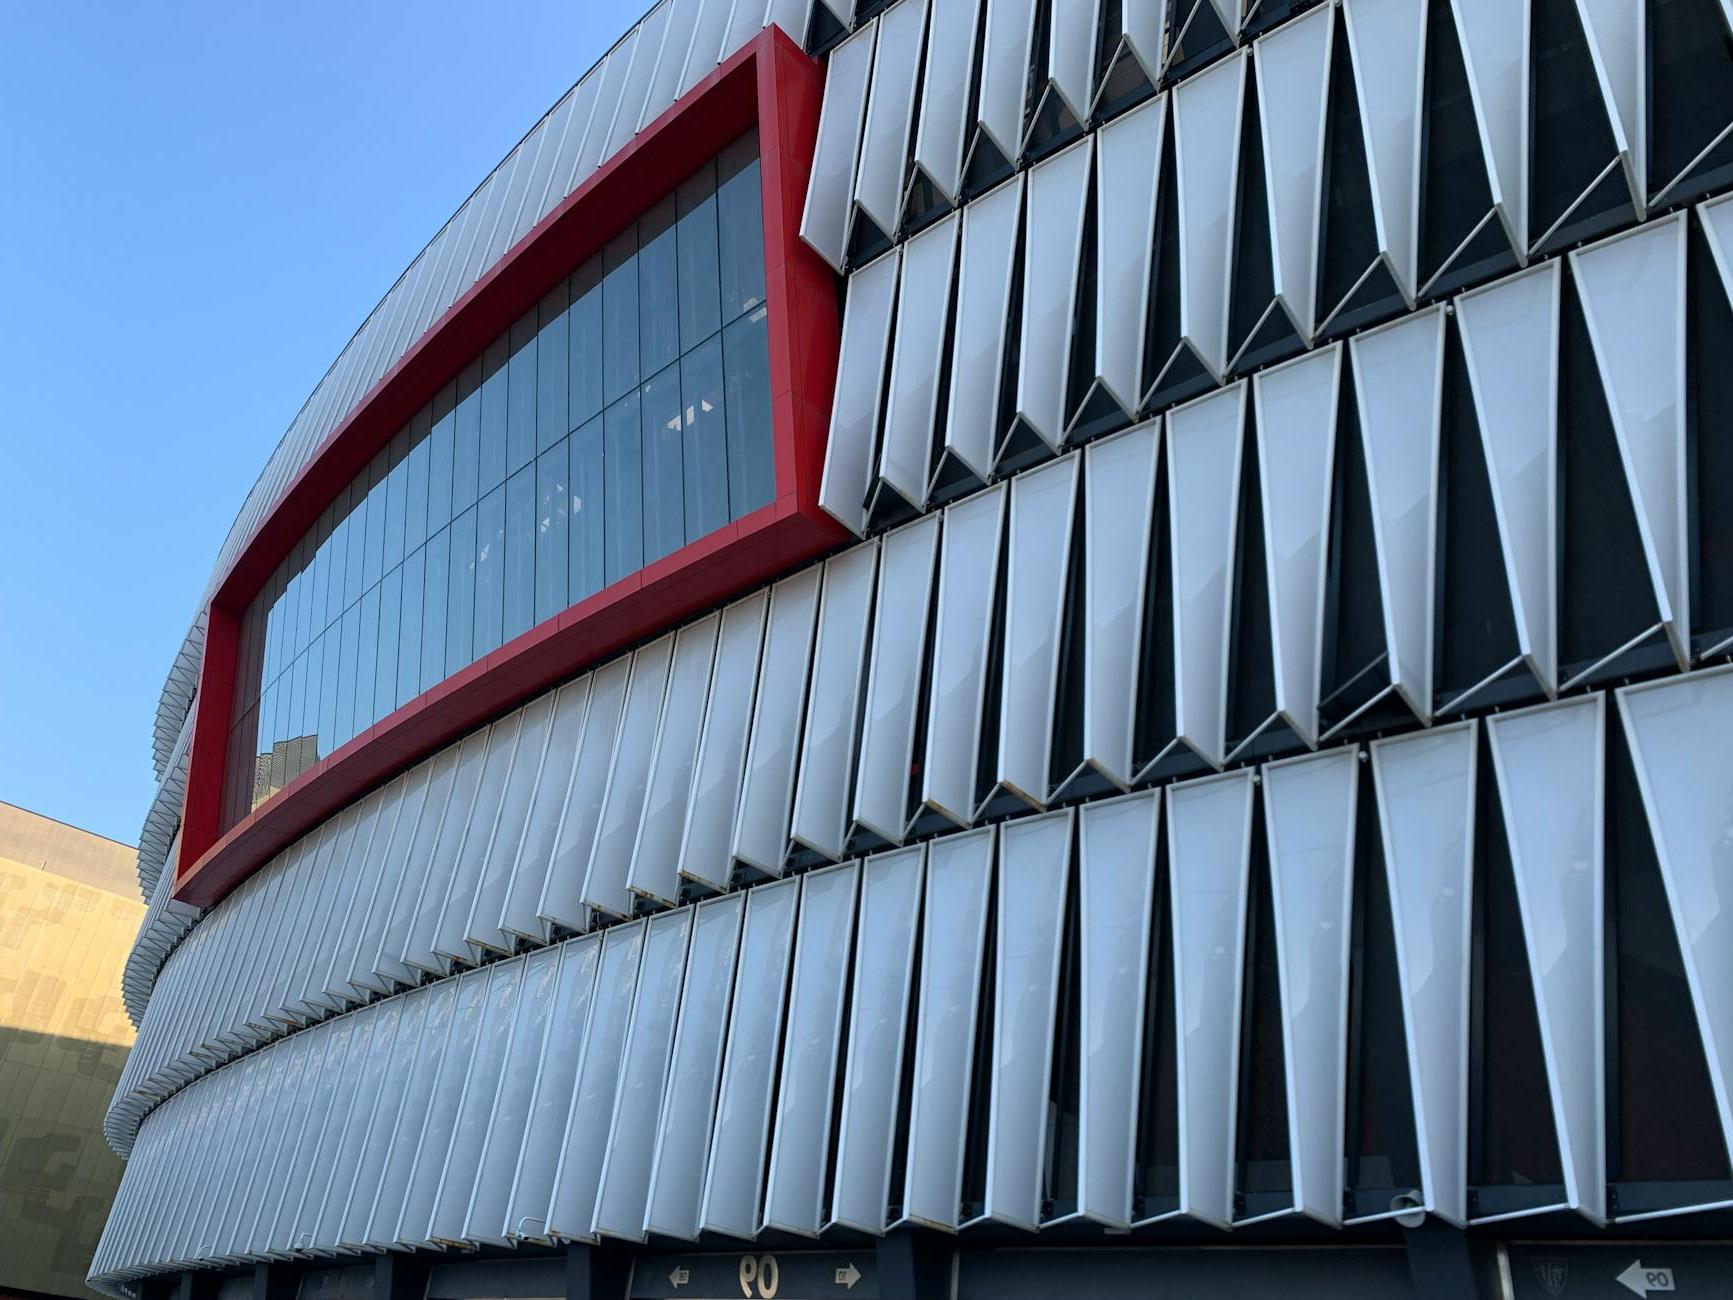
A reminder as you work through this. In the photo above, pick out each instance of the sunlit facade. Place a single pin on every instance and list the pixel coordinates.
(986, 648)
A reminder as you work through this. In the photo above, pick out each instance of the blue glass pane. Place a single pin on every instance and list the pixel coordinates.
(355, 558)
(700, 275)
(620, 316)
(489, 572)
(740, 226)
(586, 569)
(415, 488)
(330, 645)
(366, 662)
(658, 289)
(493, 418)
(551, 361)
(348, 660)
(664, 503)
(466, 440)
(336, 560)
(433, 609)
(409, 629)
(751, 452)
(439, 460)
(622, 474)
(385, 671)
(460, 594)
(373, 566)
(705, 438)
(584, 355)
(520, 552)
(520, 405)
(552, 497)
(396, 484)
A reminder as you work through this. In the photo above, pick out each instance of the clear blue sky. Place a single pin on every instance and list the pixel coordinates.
(199, 203)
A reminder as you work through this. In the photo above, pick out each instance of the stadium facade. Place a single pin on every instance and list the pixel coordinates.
(986, 648)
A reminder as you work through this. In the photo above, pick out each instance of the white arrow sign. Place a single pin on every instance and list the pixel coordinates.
(847, 1277)
(680, 1276)
(1640, 1279)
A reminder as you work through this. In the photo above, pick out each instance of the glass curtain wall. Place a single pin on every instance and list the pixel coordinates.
(625, 416)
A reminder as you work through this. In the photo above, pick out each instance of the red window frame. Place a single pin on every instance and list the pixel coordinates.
(770, 83)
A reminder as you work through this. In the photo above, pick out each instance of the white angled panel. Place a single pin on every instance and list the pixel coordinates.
(1004, 73)
(1633, 295)
(1495, 55)
(709, 29)
(655, 872)
(550, 1103)
(1678, 736)
(1119, 525)
(1426, 815)
(962, 642)
(561, 899)
(453, 1052)
(1293, 65)
(542, 819)
(1510, 340)
(923, 307)
(746, 21)
(1052, 254)
(941, 128)
(1309, 812)
(829, 194)
(984, 283)
(628, 776)
(1127, 180)
(1617, 32)
(954, 929)
(449, 935)
(1209, 839)
(884, 151)
(800, 1145)
(860, 372)
(1399, 385)
(1206, 125)
(508, 1126)
(573, 1206)
(1205, 447)
(1043, 503)
(1551, 768)
(1387, 39)
(733, 1187)
(893, 693)
(689, 1106)
(378, 1145)
(884, 967)
(839, 658)
(624, 1190)
(1116, 894)
(1034, 871)
(419, 951)
(767, 787)
(664, 83)
(484, 930)
(709, 828)
(1295, 417)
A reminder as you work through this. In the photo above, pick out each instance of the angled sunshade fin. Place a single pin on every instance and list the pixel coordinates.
(860, 371)
(878, 186)
(560, 901)
(982, 335)
(605, 887)
(830, 192)
(1127, 180)
(1387, 40)
(911, 411)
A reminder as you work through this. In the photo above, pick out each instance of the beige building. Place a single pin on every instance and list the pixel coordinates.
(69, 910)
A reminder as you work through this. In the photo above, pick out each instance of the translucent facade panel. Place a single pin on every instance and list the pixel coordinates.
(1209, 833)
(683, 1131)
(982, 331)
(451, 1068)
(1677, 733)
(824, 222)
(767, 784)
(828, 746)
(1550, 763)
(923, 310)
(1204, 451)
(1127, 182)
(800, 1141)
(954, 937)
(716, 771)
(1206, 128)
(628, 773)
(541, 821)
(453, 926)
(739, 1138)
(1399, 381)
(878, 184)
(1293, 69)
(893, 691)
(709, 27)
(1043, 504)
(656, 854)
(1495, 52)
(1617, 33)
(860, 370)
(1510, 340)
(884, 967)
(1387, 41)
(942, 125)
(962, 646)
(1004, 73)
(1632, 289)
(1052, 257)
(561, 898)
(1116, 896)
(1426, 816)
(1309, 821)
(1295, 414)
(1034, 872)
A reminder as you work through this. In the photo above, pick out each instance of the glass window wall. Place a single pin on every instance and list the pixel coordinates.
(624, 416)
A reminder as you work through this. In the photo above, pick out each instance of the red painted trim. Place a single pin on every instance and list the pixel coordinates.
(771, 83)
